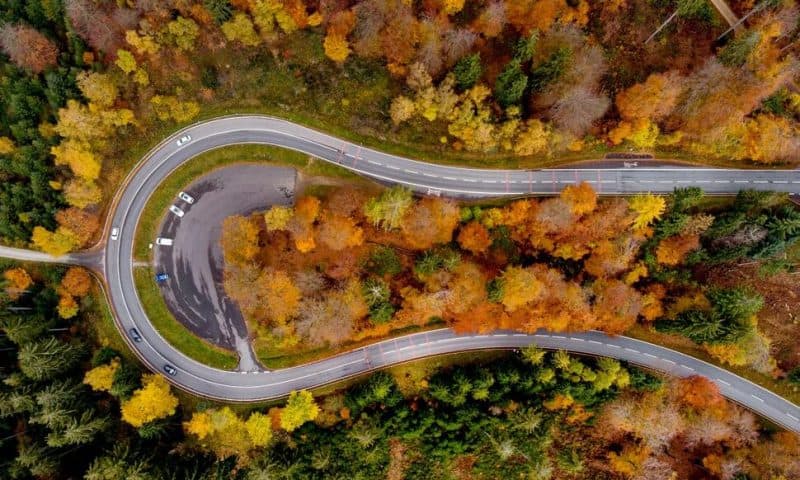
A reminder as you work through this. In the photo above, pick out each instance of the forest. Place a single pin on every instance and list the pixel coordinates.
(74, 403)
(87, 86)
(355, 263)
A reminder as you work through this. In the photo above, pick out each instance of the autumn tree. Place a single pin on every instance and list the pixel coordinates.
(101, 378)
(300, 408)
(17, 280)
(431, 221)
(648, 208)
(338, 232)
(55, 243)
(278, 217)
(581, 198)
(240, 28)
(281, 296)
(653, 99)
(151, 402)
(389, 208)
(226, 434)
(94, 25)
(80, 223)
(518, 286)
(475, 238)
(27, 48)
(700, 393)
(77, 281)
(239, 240)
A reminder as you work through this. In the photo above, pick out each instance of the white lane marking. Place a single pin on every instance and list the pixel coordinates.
(757, 398)
(793, 417)
(688, 368)
(430, 175)
(666, 181)
(702, 181)
(453, 179)
(488, 181)
(373, 162)
(668, 361)
(469, 180)
(760, 181)
(650, 355)
(780, 181)
(741, 181)
(520, 335)
(595, 342)
(723, 382)
(612, 345)
(631, 350)
(577, 339)
(558, 336)
(392, 167)
(722, 181)
(413, 172)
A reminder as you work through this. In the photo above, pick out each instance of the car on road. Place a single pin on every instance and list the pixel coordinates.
(164, 241)
(135, 335)
(184, 140)
(186, 197)
(170, 370)
(177, 211)
(162, 277)
(114, 233)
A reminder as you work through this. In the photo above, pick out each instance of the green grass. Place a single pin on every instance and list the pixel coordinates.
(173, 332)
(164, 195)
(780, 387)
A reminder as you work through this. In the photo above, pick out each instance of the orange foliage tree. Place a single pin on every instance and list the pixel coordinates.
(474, 238)
(76, 282)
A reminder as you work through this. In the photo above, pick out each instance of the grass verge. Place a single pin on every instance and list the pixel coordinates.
(173, 332)
(164, 195)
(780, 387)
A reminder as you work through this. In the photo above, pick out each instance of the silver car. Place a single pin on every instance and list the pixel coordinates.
(177, 211)
(164, 241)
(184, 140)
(186, 197)
(114, 233)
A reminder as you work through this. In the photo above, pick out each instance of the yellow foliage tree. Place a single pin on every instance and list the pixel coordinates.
(629, 461)
(125, 61)
(299, 409)
(170, 108)
(17, 281)
(55, 243)
(180, 33)
(402, 109)
(142, 44)
(277, 217)
(533, 138)
(239, 240)
(519, 286)
(336, 48)
(769, 139)
(151, 402)
(259, 427)
(453, 6)
(101, 378)
(81, 193)
(199, 425)
(648, 207)
(281, 296)
(338, 232)
(80, 158)
(99, 88)
(67, 306)
(240, 28)
(6, 146)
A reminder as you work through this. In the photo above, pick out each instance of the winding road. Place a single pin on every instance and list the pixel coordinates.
(425, 178)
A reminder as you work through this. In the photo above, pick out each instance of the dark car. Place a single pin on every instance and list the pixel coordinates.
(135, 335)
(162, 277)
(170, 370)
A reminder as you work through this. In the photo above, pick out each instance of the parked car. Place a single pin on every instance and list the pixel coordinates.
(162, 277)
(184, 140)
(186, 197)
(114, 233)
(164, 241)
(177, 211)
(135, 335)
(170, 370)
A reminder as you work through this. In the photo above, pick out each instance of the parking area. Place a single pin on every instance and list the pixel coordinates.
(189, 254)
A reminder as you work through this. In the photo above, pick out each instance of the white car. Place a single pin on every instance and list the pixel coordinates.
(184, 140)
(164, 241)
(177, 211)
(186, 197)
(114, 233)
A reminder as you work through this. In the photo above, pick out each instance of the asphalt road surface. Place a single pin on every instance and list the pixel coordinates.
(194, 292)
(424, 178)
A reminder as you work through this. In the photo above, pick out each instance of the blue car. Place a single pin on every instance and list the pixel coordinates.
(161, 277)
